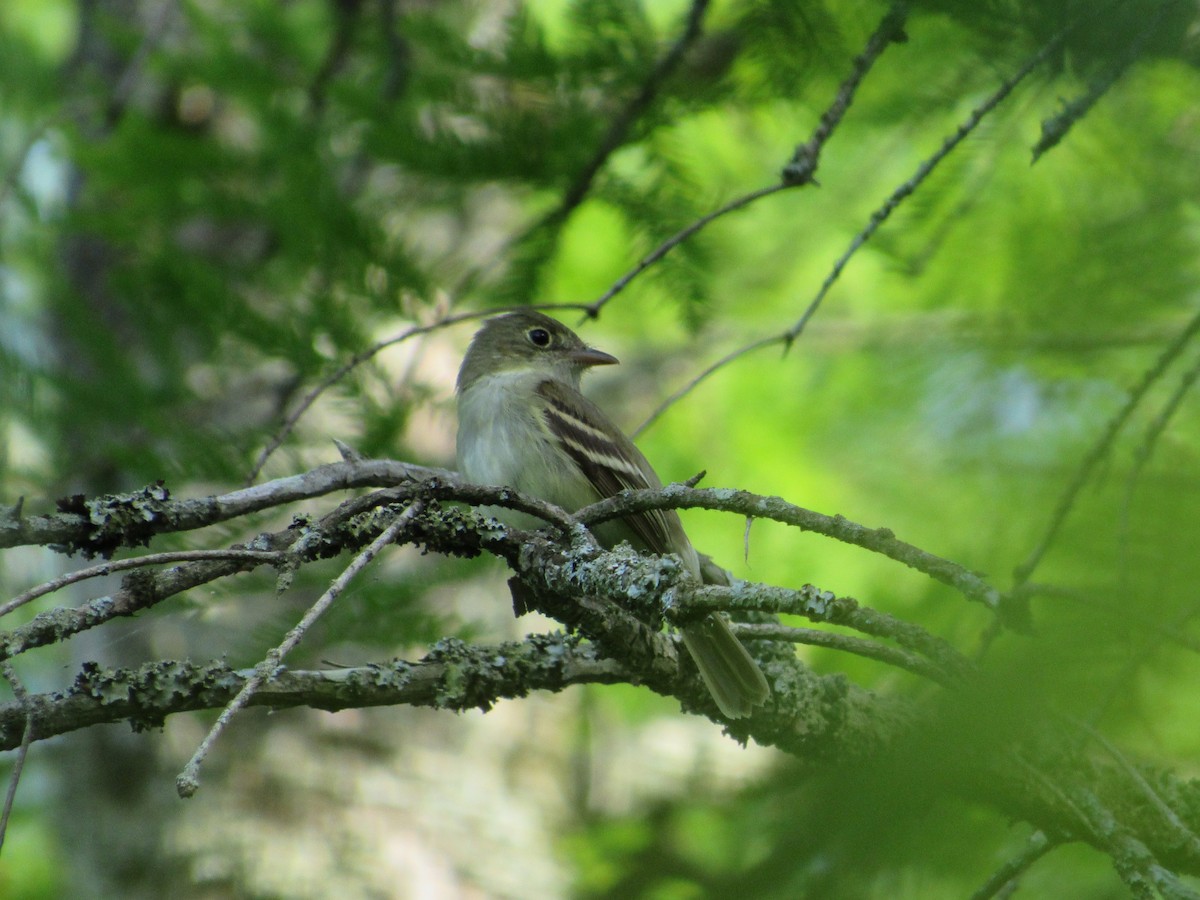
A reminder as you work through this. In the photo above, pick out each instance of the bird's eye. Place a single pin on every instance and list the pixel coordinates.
(539, 337)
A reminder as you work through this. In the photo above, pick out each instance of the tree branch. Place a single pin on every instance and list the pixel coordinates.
(1102, 447)
(188, 781)
(454, 676)
(877, 540)
(22, 700)
(618, 130)
(905, 190)
(802, 167)
(822, 606)
(617, 600)
(845, 643)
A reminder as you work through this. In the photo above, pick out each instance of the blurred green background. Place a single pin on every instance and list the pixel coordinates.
(207, 206)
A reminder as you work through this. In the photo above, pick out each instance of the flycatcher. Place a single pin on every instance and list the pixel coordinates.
(523, 423)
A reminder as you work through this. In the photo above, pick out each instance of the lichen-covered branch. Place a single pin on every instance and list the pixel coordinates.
(614, 604)
(838, 720)
(101, 525)
(453, 676)
(877, 540)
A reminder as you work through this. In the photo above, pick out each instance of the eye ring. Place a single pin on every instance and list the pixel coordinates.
(539, 337)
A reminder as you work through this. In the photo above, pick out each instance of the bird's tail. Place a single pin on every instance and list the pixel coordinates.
(729, 672)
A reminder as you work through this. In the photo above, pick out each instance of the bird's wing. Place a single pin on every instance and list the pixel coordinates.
(611, 463)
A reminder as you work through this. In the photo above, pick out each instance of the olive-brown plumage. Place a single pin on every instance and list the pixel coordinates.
(523, 423)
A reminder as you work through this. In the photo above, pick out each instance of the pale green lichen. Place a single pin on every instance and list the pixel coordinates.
(636, 581)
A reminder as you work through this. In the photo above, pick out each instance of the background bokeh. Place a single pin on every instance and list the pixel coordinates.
(207, 206)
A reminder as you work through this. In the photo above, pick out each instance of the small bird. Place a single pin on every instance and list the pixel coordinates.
(523, 423)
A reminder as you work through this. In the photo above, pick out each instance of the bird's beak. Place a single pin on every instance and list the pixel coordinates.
(590, 357)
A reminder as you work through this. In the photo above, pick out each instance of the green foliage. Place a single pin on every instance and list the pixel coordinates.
(194, 235)
(32, 861)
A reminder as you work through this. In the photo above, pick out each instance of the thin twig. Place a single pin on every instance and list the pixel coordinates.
(822, 606)
(1101, 449)
(710, 370)
(22, 753)
(120, 565)
(592, 309)
(1184, 835)
(612, 141)
(363, 356)
(188, 780)
(878, 540)
(618, 131)
(847, 644)
(799, 171)
(337, 375)
(1119, 682)
(1081, 827)
(881, 214)
(1056, 127)
(909, 187)
(1125, 614)
(803, 165)
(1147, 447)
(1004, 878)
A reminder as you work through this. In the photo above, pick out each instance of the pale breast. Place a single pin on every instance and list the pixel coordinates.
(502, 440)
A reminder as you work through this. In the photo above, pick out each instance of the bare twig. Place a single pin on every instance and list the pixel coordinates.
(1056, 127)
(341, 372)
(121, 565)
(909, 187)
(1119, 681)
(1003, 881)
(1149, 443)
(188, 780)
(878, 217)
(823, 606)
(1125, 614)
(1171, 819)
(362, 357)
(593, 309)
(1101, 449)
(712, 369)
(878, 540)
(845, 643)
(22, 752)
(618, 131)
(802, 167)
(612, 141)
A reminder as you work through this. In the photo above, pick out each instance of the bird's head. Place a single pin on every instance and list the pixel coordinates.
(528, 340)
